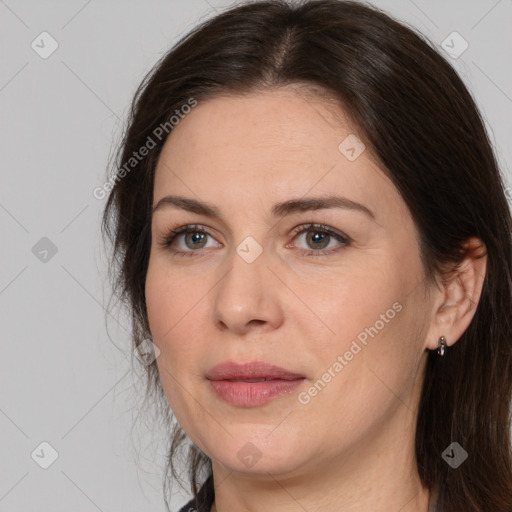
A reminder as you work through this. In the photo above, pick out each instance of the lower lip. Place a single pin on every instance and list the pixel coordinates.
(252, 394)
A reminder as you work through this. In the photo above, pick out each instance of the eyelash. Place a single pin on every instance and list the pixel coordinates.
(167, 240)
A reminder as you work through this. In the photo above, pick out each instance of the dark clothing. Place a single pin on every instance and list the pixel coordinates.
(205, 498)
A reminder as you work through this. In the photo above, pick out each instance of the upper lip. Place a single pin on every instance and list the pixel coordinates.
(253, 370)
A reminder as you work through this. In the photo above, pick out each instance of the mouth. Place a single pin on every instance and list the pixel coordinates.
(249, 380)
(251, 384)
(255, 371)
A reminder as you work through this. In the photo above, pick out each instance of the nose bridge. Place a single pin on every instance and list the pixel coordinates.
(245, 293)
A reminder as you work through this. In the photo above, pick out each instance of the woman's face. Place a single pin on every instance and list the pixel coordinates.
(342, 307)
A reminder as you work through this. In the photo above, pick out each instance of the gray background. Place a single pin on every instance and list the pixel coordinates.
(63, 380)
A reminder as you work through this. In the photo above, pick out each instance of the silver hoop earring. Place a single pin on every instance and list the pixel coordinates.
(442, 346)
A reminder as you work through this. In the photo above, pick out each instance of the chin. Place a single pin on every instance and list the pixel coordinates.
(258, 454)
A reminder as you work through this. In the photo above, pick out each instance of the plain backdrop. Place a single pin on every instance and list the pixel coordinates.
(67, 396)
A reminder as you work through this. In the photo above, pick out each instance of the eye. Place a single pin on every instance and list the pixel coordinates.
(319, 237)
(188, 240)
(192, 238)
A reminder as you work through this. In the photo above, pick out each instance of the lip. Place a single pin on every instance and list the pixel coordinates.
(231, 382)
(252, 370)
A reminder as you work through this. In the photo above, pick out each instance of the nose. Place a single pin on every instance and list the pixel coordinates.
(248, 297)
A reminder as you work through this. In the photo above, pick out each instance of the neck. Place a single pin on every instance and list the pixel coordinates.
(378, 474)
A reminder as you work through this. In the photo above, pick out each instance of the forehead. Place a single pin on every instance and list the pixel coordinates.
(279, 121)
(273, 144)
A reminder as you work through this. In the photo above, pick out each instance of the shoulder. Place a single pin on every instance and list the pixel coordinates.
(189, 507)
(205, 497)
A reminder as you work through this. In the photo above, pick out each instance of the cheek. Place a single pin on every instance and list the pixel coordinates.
(168, 299)
(176, 313)
(350, 300)
(159, 304)
(366, 372)
(167, 310)
(374, 323)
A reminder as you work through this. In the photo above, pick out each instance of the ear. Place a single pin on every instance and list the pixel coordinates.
(456, 298)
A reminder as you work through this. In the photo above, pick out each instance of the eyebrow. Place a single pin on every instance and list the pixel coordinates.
(278, 210)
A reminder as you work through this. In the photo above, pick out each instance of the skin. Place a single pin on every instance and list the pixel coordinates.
(351, 447)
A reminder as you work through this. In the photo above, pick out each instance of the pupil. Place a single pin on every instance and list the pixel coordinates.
(195, 237)
(319, 237)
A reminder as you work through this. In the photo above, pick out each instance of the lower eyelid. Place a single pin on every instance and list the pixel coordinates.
(324, 252)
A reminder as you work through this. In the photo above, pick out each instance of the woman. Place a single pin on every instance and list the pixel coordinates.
(309, 223)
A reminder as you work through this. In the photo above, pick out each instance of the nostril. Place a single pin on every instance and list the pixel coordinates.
(256, 322)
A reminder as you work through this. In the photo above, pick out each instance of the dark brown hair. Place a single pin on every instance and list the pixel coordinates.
(414, 112)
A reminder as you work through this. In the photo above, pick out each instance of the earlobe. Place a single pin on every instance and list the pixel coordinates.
(458, 296)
